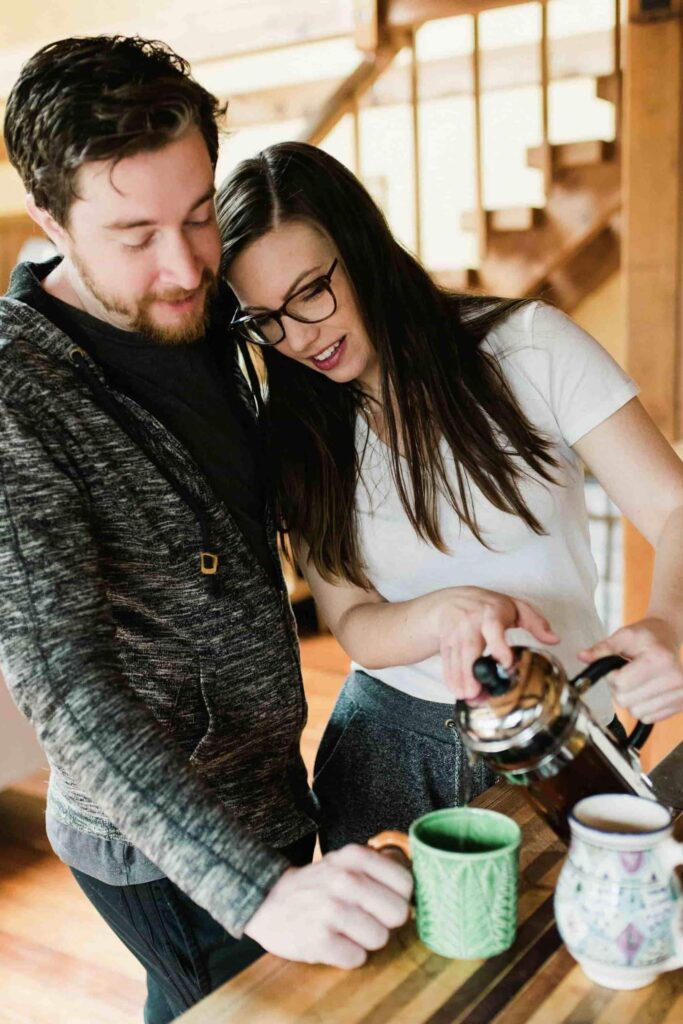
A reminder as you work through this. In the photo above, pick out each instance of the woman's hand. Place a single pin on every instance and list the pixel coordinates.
(651, 686)
(467, 620)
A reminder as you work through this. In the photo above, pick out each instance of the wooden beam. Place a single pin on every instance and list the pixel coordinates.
(546, 149)
(369, 18)
(617, 76)
(202, 31)
(357, 139)
(411, 13)
(587, 55)
(352, 89)
(479, 199)
(654, 10)
(415, 120)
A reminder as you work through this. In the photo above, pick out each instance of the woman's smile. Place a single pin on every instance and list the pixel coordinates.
(330, 357)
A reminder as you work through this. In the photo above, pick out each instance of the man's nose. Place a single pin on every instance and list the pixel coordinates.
(300, 336)
(180, 265)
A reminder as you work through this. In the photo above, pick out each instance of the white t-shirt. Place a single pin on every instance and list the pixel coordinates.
(566, 384)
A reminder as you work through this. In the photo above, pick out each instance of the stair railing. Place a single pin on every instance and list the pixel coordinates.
(390, 41)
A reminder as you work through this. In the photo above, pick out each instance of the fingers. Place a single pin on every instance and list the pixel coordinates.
(600, 650)
(335, 910)
(630, 641)
(387, 873)
(457, 671)
(359, 926)
(472, 646)
(484, 628)
(370, 897)
(450, 667)
(657, 708)
(337, 950)
(530, 618)
(650, 686)
(493, 633)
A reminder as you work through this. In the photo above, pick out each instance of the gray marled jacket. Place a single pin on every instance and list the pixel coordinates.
(170, 712)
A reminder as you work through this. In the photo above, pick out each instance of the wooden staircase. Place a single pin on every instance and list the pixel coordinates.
(561, 251)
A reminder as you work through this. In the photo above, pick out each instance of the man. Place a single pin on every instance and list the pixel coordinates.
(144, 622)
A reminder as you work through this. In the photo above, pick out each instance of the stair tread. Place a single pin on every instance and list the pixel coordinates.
(505, 218)
(566, 155)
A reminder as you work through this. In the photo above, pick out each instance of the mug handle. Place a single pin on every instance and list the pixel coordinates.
(391, 840)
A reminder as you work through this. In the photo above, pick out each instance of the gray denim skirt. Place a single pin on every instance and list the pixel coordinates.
(385, 759)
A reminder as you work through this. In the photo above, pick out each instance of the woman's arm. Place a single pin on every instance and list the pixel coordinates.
(644, 477)
(458, 622)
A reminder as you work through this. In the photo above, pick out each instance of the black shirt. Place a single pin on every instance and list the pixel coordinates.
(189, 388)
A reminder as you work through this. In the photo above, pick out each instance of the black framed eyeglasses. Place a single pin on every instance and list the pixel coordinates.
(312, 304)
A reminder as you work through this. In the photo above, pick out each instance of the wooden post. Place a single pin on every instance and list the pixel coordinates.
(415, 109)
(545, 102)
(618, 77)
(653, 253)
(355, 115)
(482, 227)
(369, 18)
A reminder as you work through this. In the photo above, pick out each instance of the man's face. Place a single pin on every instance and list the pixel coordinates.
(141, 244)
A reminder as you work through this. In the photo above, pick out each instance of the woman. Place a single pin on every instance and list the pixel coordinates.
(428, 459)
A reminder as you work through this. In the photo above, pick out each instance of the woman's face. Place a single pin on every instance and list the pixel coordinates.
(282, 262)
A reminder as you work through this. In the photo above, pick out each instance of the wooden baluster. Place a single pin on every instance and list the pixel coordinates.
(618, 102)
(415, 107)
(482, 240)
(355, 115)
(545, 102)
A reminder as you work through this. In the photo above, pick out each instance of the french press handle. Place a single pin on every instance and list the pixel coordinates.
(596, 670)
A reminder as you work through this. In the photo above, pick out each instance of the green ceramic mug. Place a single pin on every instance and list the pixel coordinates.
(466, 868)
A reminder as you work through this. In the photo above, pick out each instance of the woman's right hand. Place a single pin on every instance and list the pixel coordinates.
(470, 620)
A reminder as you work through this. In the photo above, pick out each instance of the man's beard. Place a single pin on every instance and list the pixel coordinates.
(190, 327)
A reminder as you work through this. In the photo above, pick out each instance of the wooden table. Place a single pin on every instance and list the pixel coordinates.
(535, 982)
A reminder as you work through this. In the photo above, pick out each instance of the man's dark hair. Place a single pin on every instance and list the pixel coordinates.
(99, 98)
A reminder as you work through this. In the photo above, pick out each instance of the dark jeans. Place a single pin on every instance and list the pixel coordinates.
(185, 952)
(387, 758)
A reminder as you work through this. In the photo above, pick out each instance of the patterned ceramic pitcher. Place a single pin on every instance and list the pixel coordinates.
(618, 902)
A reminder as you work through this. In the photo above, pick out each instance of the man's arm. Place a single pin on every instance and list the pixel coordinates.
(61, 664)
(58, 651)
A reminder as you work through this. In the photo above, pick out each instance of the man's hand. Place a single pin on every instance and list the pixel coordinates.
(334, 911)
(651, 685)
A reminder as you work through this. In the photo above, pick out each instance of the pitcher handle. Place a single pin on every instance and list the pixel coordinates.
(596, 670)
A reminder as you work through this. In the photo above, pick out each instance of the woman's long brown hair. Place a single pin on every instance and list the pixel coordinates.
(437, 382)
